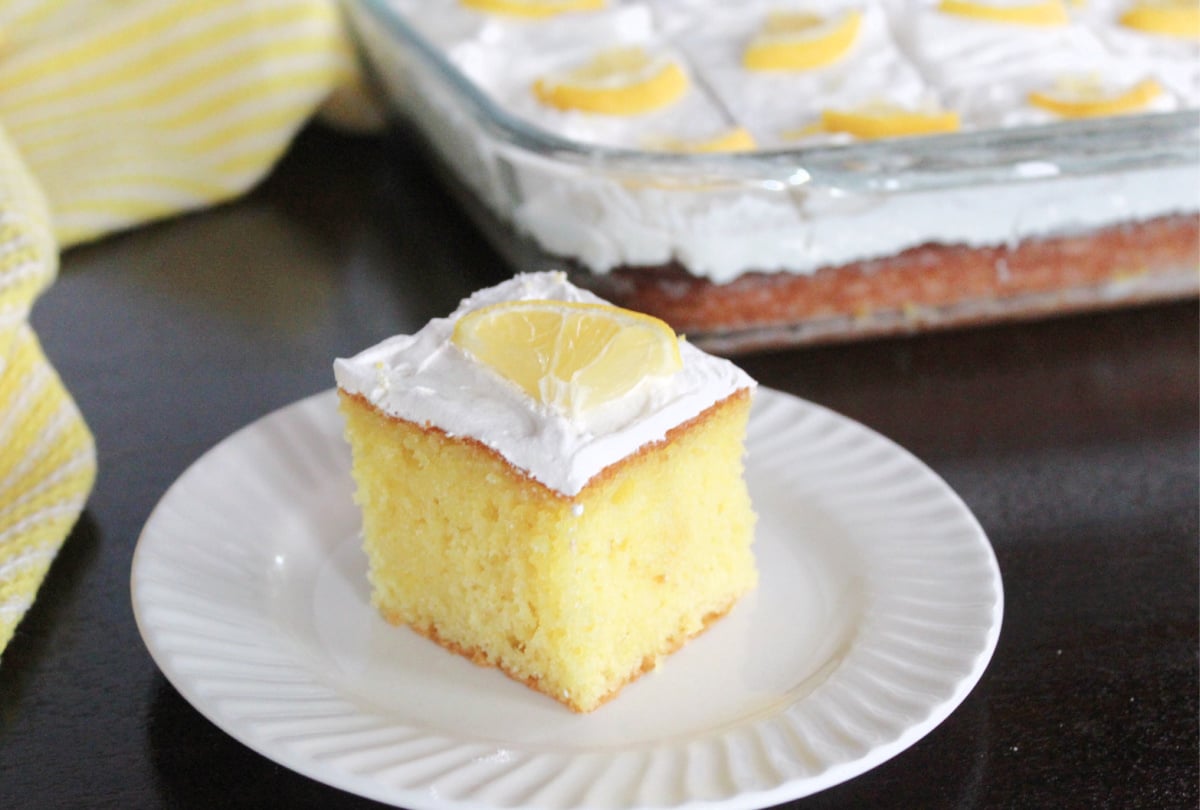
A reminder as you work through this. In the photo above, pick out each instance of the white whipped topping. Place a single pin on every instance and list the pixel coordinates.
(694, 116)
(777, 106)
(986, 70)
(1175, 61)
(721, 236)
(426, 379)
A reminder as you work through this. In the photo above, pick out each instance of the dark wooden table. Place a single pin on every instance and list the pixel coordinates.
(1074, 441)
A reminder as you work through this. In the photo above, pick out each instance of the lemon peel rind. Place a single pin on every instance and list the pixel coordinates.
(1047, 13)
(897, 124)
(796, 55)
(653, 93)
(738, 139)
(1178, 22)
(533, 9)
(1132, 100)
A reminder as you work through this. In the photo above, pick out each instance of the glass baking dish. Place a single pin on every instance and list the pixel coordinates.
(749, 250)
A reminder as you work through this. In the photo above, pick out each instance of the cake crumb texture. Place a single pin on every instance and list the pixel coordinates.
(470, 552)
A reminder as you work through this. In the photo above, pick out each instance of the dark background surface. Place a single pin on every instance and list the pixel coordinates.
(1074, 441)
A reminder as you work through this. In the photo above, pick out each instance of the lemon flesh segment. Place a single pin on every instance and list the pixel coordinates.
(886, 121)
(533, 8)
(570, 356)
(621, 81)
(1046, 12)
(800, 41)
(1086, 99)
(1168, 18)
(737, 139)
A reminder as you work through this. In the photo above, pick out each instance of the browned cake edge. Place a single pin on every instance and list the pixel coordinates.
(923, 287)
(739, 397)
(481, 658)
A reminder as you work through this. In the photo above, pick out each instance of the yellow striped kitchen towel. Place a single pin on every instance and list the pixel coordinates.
(47, 459)
(111, 115)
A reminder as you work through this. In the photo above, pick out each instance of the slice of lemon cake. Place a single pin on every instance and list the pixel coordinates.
(551, 485)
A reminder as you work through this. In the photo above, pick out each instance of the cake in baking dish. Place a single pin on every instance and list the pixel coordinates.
(795, 246)
(551, 485)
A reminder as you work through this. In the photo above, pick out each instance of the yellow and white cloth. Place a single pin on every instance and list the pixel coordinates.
(113, 114)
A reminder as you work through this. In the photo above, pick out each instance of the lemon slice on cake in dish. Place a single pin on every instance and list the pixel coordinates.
(885, 120)
(568, 355)
(618, 81)
(799, 40)
(1169, 18)
(533, 8)
(737, 139)
(1040, 12)
(1088, 97)
(812, 129)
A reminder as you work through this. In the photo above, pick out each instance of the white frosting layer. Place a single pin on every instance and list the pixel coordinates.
(426, 379)
(722, 235)
(776, 106)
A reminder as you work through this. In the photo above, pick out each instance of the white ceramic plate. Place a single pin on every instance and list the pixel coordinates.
(878, 608)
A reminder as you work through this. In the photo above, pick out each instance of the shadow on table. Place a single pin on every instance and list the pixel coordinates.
(198, 766)
(58, 594)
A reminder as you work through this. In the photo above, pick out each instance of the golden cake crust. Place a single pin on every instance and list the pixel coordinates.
(736, 399)
(482, 659)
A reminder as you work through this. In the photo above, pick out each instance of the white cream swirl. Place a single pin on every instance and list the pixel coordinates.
(426, 379)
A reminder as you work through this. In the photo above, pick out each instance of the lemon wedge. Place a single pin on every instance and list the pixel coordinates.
(533, 8)
(570, 356)
(802, 41)
(1087, 98)
(1170, 18)
(737, 139)
(1043, 12)
(888, 121)
(620, 81)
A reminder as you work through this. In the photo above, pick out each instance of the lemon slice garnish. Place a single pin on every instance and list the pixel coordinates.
(533, 8)
(888, 121)
(621, 81)
(1044, 12)
(737, 139)
(1087, 98)
(570, 356)
(802, 41)
(1169, 18)
(809, 130)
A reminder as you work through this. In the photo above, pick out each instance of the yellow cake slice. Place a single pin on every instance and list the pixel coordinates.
(571, 541)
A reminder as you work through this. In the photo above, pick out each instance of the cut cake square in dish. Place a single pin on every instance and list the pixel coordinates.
(572, 544)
